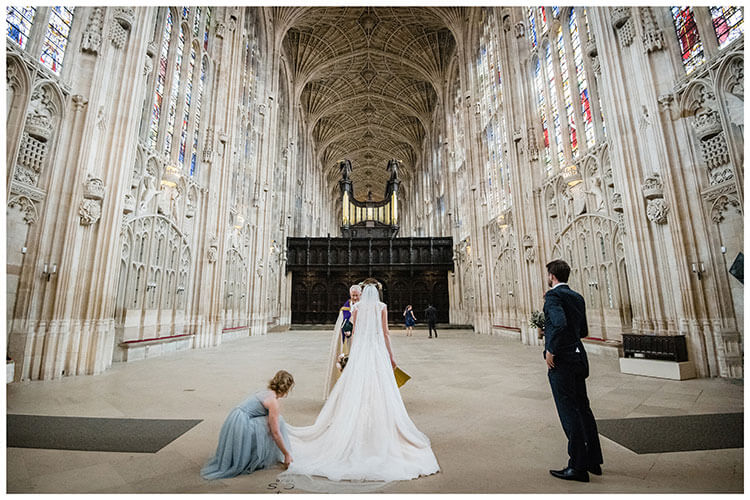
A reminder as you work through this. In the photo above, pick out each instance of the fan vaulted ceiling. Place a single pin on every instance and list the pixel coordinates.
(367, 80)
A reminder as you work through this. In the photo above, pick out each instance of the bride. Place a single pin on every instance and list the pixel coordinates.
(363, 432)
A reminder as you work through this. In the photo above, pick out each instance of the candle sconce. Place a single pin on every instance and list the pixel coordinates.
(595, 284)
(698, 269)
(49, 270)
(151, 286)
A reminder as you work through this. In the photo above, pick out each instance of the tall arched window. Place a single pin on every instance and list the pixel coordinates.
(552, 85)
(565, 80)
(56, 38)
(20, 23)
(583, 86)
(161, 78)
(174, 92)
(197, 22)
(691, 46)
(208, 26)
(728, 24)
(179, 85)
(542, 108)
(532, 26)
(543, 19)
(201, 84)
(19, 20)
(564, 83)
(186, 107)
(489, 78)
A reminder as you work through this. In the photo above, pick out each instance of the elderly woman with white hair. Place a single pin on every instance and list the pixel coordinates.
(341, 342)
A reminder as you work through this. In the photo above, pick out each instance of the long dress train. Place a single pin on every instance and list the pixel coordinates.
(363, 432)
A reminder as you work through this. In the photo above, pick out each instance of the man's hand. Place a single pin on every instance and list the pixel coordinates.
(549, 358)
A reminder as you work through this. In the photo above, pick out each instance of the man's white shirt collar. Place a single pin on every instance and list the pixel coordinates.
(559, 285)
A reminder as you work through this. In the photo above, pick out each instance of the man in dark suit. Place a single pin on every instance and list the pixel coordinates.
(564, 327)
(431, 316)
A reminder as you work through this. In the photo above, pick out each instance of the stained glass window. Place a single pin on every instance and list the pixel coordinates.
(186, 107)
(543, 19)
(532, 26)
(161, 78)
(728, 24)
(489, 77)
(199, 98)
(567, 96)
(197, 22)
(185, 12)
(541, 106)
(556, 11)
(173, 94)
(56, 38)
(691, 46)
(553, 104)
(19, 20)
(583, 86)
(208, 26)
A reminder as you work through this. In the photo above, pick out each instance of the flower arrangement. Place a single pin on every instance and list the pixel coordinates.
(537, 321)
(341, 363)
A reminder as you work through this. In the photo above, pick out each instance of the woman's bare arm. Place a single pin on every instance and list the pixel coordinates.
(273, 424)
(386, 334)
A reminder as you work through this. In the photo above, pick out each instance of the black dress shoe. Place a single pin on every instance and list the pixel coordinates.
(571, 474)
(595, 469)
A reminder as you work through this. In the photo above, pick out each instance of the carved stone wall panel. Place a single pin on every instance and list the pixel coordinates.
(657, 210)
(31, 160)
(27, 206)
(90, 212)
(653, 38)
(117, 35)
(92, 34)
(590, 244)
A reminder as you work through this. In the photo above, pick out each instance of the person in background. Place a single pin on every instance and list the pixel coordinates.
(409, 320)
(431, 316)
(341, 342)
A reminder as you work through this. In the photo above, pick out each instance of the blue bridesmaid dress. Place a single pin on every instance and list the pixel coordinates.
(245, 441)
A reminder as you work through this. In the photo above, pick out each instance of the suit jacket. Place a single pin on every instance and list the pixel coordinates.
(564, 319)
(431, 314)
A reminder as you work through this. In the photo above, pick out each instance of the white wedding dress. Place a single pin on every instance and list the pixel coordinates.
(363, 432)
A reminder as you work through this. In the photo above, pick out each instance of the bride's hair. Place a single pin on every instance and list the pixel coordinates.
(281, 383)
(376, 284)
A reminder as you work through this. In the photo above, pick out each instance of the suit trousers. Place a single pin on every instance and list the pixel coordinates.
(568, 382)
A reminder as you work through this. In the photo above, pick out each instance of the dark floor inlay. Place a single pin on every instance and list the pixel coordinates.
(681, 433)
(132, 435)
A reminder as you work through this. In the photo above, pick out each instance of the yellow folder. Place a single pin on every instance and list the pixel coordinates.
(401, 376)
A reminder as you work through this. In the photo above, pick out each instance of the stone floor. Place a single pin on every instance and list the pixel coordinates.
(483, 401)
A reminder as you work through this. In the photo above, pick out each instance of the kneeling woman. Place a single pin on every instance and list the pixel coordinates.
(254, 434)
